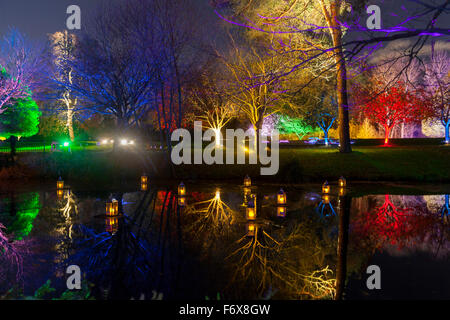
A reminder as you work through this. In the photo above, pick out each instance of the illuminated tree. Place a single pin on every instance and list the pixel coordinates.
(20, 61)
(393, 106)
(211, 106)
(63, 46)
(297, 126)
(312, 33)
(21, 119)
(254, 89)
(437, 75)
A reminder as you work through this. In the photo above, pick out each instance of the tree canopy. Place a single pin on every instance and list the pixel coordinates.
(21, 119)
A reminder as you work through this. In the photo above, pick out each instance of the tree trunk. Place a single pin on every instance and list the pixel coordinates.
(70, 124)
(387, 131)
(325, 135)
(341, 268)
(13, 152)
(341, 78)
(447, 132)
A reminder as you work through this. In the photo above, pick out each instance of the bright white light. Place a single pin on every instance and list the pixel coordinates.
(131, 142)
(123, 142)
(111, 141)
(104, 141)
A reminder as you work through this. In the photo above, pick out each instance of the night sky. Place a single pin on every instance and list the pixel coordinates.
(38, 18)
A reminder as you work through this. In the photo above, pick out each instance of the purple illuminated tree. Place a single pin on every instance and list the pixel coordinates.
(437, 75)
(20, 62)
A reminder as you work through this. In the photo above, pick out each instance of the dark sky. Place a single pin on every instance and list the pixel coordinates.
(37, 18)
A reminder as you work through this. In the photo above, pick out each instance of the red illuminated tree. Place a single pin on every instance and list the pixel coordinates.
(394, 106)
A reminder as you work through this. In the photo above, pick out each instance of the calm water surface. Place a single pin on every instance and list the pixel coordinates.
(212, 245)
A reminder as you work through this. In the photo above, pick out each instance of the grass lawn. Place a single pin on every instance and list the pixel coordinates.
(372, 163)
(405, 163)
(427, 162)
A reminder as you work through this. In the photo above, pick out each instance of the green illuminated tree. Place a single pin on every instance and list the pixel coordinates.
(21, 119)
(297, 126)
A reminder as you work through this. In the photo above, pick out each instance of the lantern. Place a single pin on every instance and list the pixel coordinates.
(281, 197)
(109, 209)
(250, 211)
(144, 179)
(60, 194)
(281, 211)
(247, 181)
(115, 207)
(342, 182)
(181, 201)
(112, 225)
(325, 187)
(342, 192)
(144, 187)
(60, 184)
(181, 190)
(326, 199)
(251, 229)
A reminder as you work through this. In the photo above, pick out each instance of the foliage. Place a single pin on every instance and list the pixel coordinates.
(51, 127)
(24, 212)
(21, 119)
(299, 127)
(393, 106)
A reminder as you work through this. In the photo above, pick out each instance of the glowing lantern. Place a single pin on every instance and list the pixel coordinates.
(342, 192)
(281, 197)
(326, 187)
(342, 182)
(115, 207)
(60, 194)
(144, 179)
(181, 190)
(247, 181)
(251, 229)
(281, 212)
(109, 209)
(182, 201)
(60, 184)
(144, 187)
(112, 225)
(326, 199)
(251, 210)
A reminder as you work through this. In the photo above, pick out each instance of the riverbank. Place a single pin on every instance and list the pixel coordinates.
(409, 164)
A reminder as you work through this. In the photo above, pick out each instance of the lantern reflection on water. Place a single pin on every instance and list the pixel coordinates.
(281, 211)
(181, 201)
(144, 187)
(326, 199)
(112, 225)
(325, 187)
(281, 197)
(342, 192)
(251, 229)
(60, 194)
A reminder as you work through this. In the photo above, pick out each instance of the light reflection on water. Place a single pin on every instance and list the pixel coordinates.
(225, 241)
